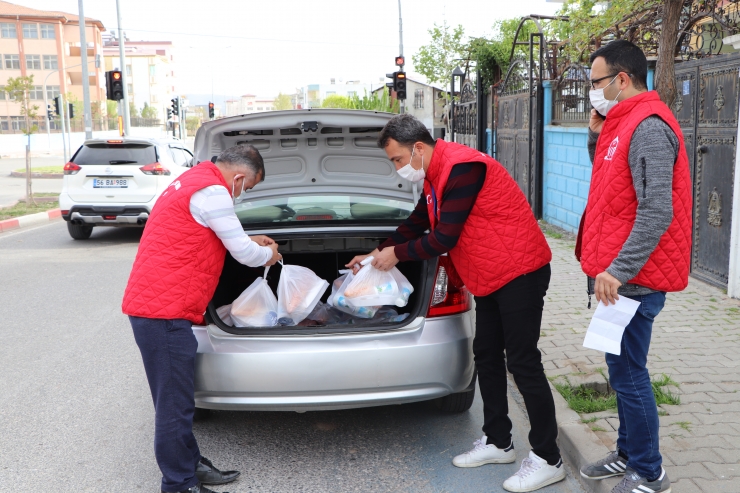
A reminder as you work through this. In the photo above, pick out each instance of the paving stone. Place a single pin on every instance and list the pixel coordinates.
(684, 486)
(689, 471)
(717, 485)
(682, 458)
(723, 471)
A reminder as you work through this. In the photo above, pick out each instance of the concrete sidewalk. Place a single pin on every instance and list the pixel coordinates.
(696, 341)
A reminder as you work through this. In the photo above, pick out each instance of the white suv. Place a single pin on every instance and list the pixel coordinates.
(115, 182)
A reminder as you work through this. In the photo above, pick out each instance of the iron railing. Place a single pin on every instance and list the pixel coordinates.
(18, 126)
(570, 99)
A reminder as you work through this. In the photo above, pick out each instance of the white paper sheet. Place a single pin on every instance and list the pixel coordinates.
(607, 325)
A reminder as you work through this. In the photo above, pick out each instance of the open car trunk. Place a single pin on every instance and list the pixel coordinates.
(325, 255)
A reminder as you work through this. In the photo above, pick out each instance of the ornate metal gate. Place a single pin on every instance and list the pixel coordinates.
(707, 108)
(469, 114)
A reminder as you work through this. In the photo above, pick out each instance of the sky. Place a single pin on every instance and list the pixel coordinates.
(231, 47)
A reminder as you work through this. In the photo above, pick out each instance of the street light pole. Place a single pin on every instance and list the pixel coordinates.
(85, 74)
(121, 51)
(400, 50)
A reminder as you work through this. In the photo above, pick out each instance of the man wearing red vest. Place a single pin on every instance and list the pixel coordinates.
(177, 267)
(477, 215)
(635, 241)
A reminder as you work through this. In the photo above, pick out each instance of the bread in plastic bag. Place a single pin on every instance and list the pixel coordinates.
(224, 313)
(299, 290)
(256, 306)
(372, 287)
(338, 299)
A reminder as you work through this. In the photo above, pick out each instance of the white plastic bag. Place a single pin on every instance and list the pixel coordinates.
(224, 313)
(338, 300)
(371, 287)
(256, 306)
(404, 287)
(299, 290)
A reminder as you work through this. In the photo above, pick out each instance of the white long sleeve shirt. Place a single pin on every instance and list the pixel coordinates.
(213, 207)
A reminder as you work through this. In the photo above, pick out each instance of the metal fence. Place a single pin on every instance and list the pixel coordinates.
(570, 96)
(17, 125)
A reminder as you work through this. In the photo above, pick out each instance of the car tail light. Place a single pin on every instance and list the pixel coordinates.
(65, 213)
(71, 169)
(155, 169)
(314, 217)
(449, 295)
(109, 217)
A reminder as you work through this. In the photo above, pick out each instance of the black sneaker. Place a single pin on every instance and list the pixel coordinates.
(611, 465)
(634, 482)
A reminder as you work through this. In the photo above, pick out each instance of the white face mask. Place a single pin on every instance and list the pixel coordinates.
(599, 102)
(409, 173)
(242, 196)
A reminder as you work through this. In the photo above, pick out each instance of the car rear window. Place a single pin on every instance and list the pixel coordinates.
(115, 154)
(323, 209)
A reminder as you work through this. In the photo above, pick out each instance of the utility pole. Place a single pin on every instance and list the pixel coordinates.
(85, 74)
(121, 51)
(62, 104)
(400, 50)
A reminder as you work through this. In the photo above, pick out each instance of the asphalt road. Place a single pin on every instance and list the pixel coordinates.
(76, 413)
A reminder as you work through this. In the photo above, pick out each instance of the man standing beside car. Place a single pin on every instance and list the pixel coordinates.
(635, 241)
(477, 215)
(174, 276)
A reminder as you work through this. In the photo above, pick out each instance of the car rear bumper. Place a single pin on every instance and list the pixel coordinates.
(425, 360)
(118, 215)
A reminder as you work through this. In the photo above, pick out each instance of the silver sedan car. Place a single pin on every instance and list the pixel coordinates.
(329, 194)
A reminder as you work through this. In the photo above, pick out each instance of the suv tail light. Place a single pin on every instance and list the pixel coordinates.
(71, 168)
(155, 169)
(449, 295)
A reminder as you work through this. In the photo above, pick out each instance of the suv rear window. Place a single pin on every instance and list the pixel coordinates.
(115, 154)
(323, 209)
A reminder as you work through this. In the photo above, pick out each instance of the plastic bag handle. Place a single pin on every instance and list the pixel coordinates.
(264, 276)
(367, 260)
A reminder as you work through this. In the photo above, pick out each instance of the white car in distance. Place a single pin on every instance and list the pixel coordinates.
(115, 182)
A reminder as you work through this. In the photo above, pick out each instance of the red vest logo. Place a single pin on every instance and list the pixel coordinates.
(429, 199)
(612, 149)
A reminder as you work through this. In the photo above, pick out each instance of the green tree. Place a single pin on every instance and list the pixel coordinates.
(283, 102)
(148, 111)
(438, 59)
(375, 102)
(111, 109)
(336, 101)
(192, 123)
(133, 111)
(19, 89)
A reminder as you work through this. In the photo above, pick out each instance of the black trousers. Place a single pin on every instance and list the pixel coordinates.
(508, 320)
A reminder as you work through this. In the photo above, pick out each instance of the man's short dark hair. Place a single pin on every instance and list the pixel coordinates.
(622, 56)
(406, 130)
(243, 156)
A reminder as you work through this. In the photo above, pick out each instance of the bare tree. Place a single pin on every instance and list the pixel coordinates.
(19, 89)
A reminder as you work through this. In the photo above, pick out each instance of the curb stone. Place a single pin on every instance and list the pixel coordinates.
(30, 220)
(18, 174)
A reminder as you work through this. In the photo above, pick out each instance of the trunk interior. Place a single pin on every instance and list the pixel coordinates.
(325, 255)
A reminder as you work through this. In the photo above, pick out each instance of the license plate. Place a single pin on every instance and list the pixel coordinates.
(110, 183)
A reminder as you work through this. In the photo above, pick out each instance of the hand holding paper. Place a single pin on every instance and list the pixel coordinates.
(608, 323)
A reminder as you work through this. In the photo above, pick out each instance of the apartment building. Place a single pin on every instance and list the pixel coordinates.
(46, 45)
(150, 71)
(248, 104)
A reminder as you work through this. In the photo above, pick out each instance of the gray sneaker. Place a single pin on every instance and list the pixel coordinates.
(611, 465)
(634, 482)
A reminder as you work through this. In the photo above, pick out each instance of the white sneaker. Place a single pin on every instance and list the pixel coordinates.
(485, 454)
(534, 474)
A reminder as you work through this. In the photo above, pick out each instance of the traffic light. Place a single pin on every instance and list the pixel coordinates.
(58, 105)
(71, 109)
(169, 114)
(49, 112)
(399, 84)
(114, 85)
(175, 106)
(400, 61)
(211, 111)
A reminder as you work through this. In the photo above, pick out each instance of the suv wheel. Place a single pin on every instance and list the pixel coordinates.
(79, 231)
(458, 402)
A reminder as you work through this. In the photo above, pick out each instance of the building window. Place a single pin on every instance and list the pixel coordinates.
(50, 62)
(4, 123)
(7, 30)
(153, 70)
(3, 94)
(36, 92)
(128, 70)
(419, 99)
(13, 61)
(30, 31)
(52, 92)
(351, 93)
(47, 31)
(155, 99)
(130, 88)
(18, 122)
(33, 62)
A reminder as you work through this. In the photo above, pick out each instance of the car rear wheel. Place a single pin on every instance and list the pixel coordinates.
(201, 414)
(79, 231)
(458, 402)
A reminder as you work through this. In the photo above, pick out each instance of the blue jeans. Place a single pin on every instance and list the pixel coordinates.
(628, 376)
(168, 350)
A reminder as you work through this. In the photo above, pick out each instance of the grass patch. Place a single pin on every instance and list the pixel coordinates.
(589, 420)
(686, 425)
(585, 400)
(662, 394)
(22, 209)
(42, 169)
(662, 413)
(597, 428)
(713, 300)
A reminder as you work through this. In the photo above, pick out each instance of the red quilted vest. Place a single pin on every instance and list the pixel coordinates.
(612, 200)
(501, 239)
(179, 261)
